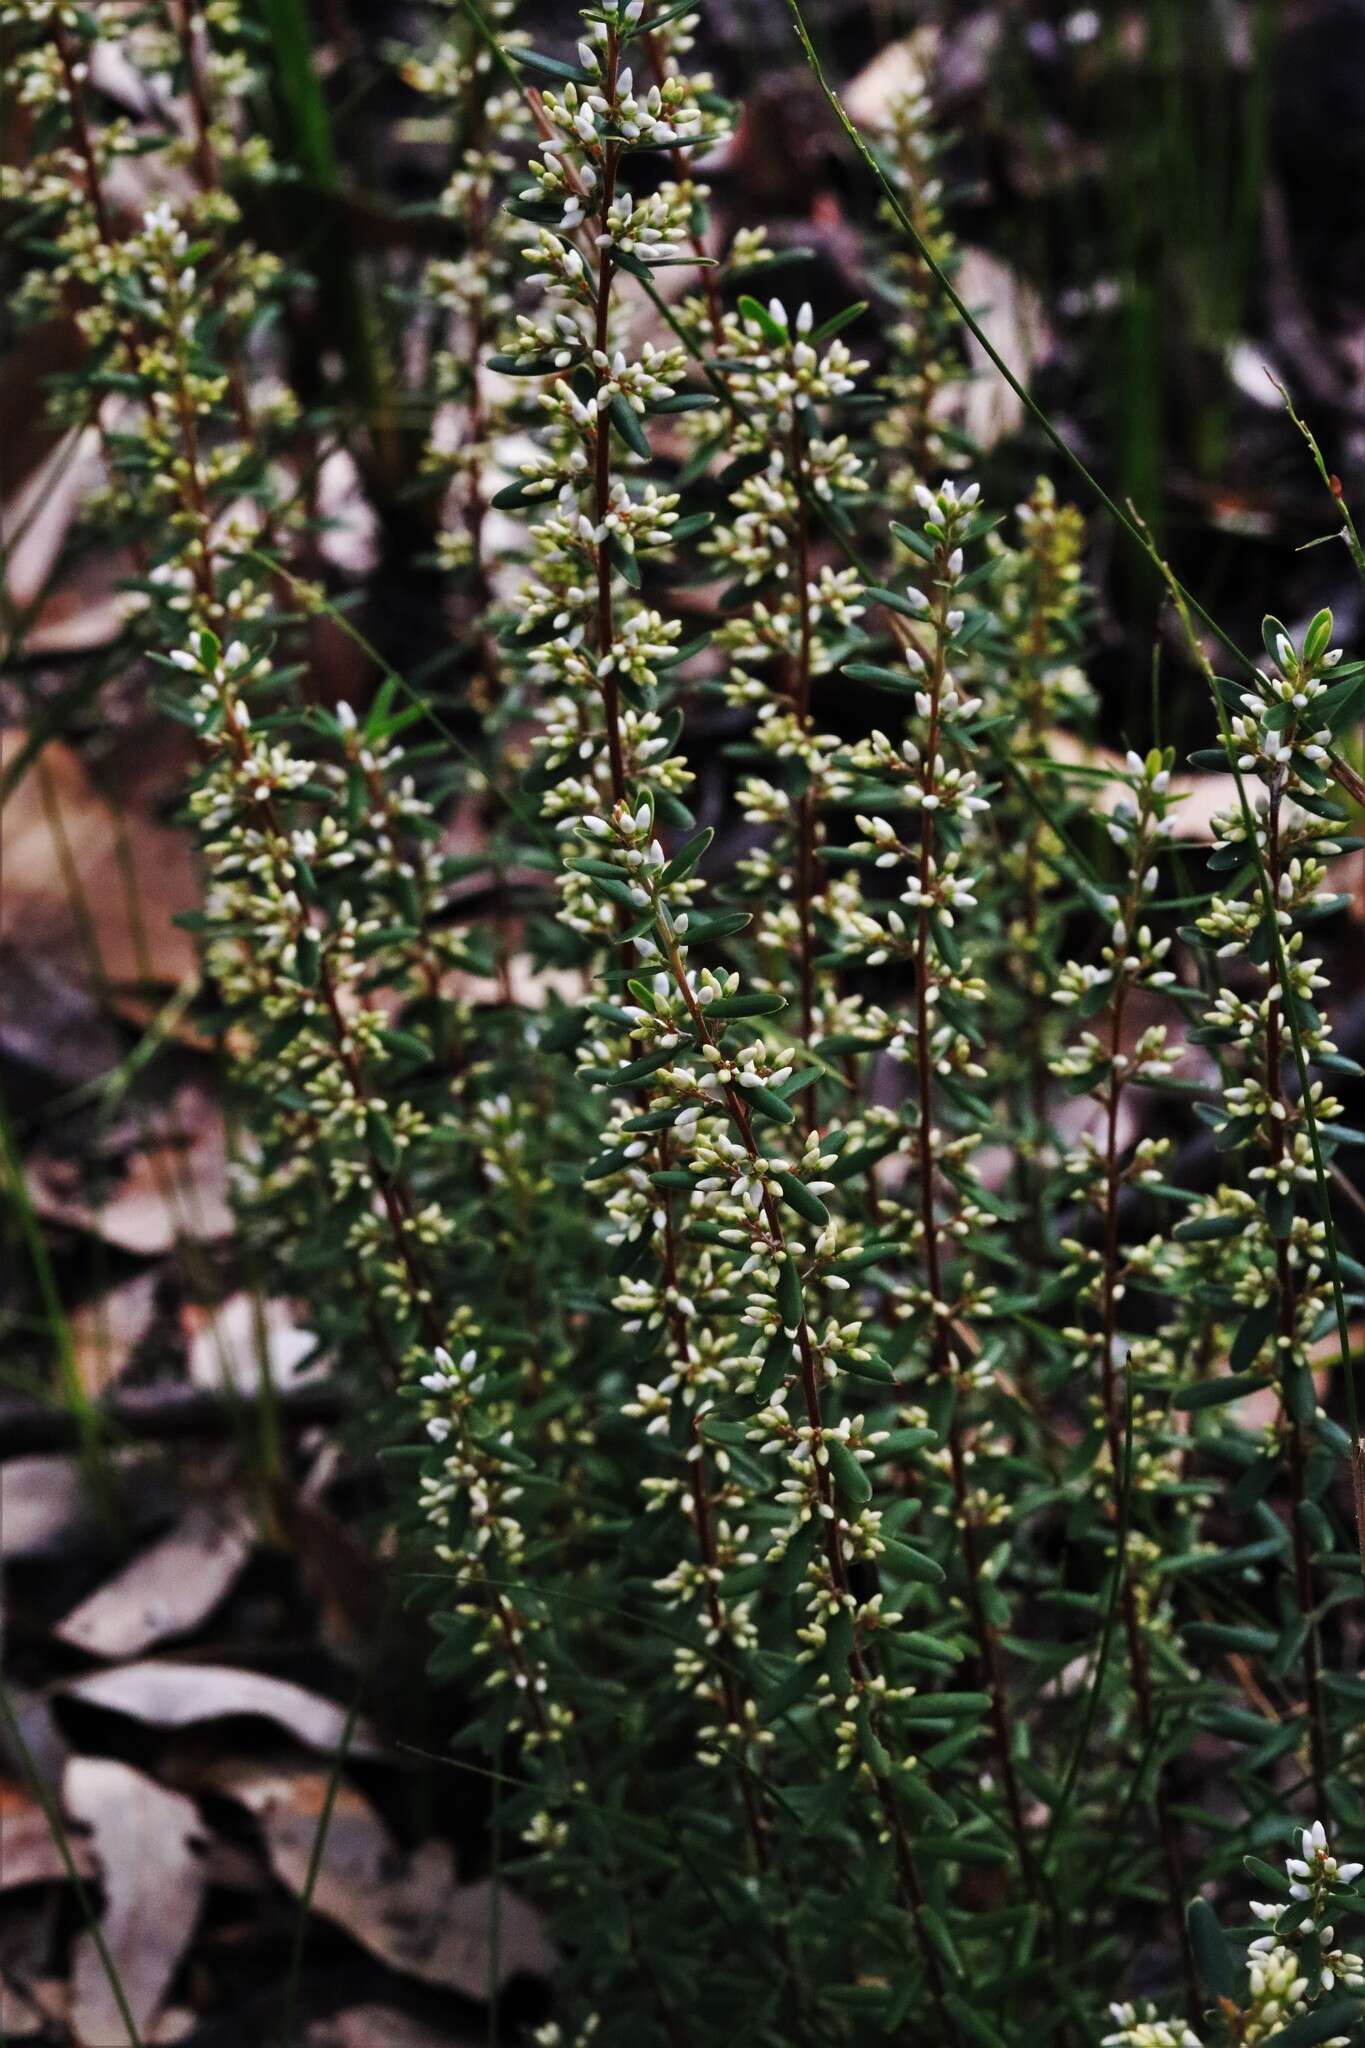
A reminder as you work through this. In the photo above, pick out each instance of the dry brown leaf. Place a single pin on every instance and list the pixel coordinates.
(28, 431)
(381, 2026)
(407, 1910)
(1010, 313)
(60, 842)
(893, 71)
(105, 1333)
(30, 1852)
(41, 1501)
(173, 1695)
(41, 1743)
(88, 611)
(225, 1344)
(52, 1023)
(530, 987)
(175, 1185)
(89, 607)
(147, 1843)
(29, 2002)
(167, 1590)
(176, 2023)
(36, 518)
(1196, 799)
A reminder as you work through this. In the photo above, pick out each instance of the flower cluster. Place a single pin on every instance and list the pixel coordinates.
(925, 342)
(1296, 1968)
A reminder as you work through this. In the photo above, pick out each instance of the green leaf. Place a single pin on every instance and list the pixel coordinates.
(873, 1368)
(745, 1006)
(836, 324)
(523, 366)
(1215, 1393)
(936, 1927)
(777, 1363)
(910, 1787)
(767, 1102)
(1339, 705)
(973, 2025)
(626, 421)
(528, 492)
(1272, 632)
(912, 1564)
(789, 1295)
(750, 309)
(893, 601)
(552, 67)
(801, 1680)
(1266, 1874)
(1339, 2016)
(686, 858)
(799, 1197)
(1211, 1952)
(1318, 638)
(1204, 1229)
(945, 1706)
(848, 1474)
(897, 680)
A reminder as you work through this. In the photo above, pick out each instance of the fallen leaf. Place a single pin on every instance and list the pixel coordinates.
(61, 842)
(28, 431)
(1010, 313)
(105, 1333)
(901, 67)
(174, 1185)
(406, 1909)
(1195, 799)
(41, 1501)
(349, 529)
(381, 2026)
(51, 1022)
(31, 1854)
(226, 1343)
(167, 1590)
(36, 518)
(89, 606)
(528, 986)
(41, 1750)
(177, 2023)
(172, 1695)
(87, 612)
(147, 1843)
(29, 2002)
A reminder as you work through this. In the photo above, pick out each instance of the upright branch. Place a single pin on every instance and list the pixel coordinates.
(1281, 731)
(1102, 1171)
(786, 626)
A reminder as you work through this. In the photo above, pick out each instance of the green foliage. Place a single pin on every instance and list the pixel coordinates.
(878, 1502)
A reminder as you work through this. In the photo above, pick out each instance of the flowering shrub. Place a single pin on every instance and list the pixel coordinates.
(886, 1498)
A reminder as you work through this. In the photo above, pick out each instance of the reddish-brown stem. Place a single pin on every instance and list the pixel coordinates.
(206, 170)
(1287, 1321)
(700, 1489)
(838, 1570)
(683, 172)
(805, 820)
(606, 267)
(942, 1357)
(94, 190)
(610, 703)
(1138, 1665)
(84, 140)
(733, 1097)
(393, 1196)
